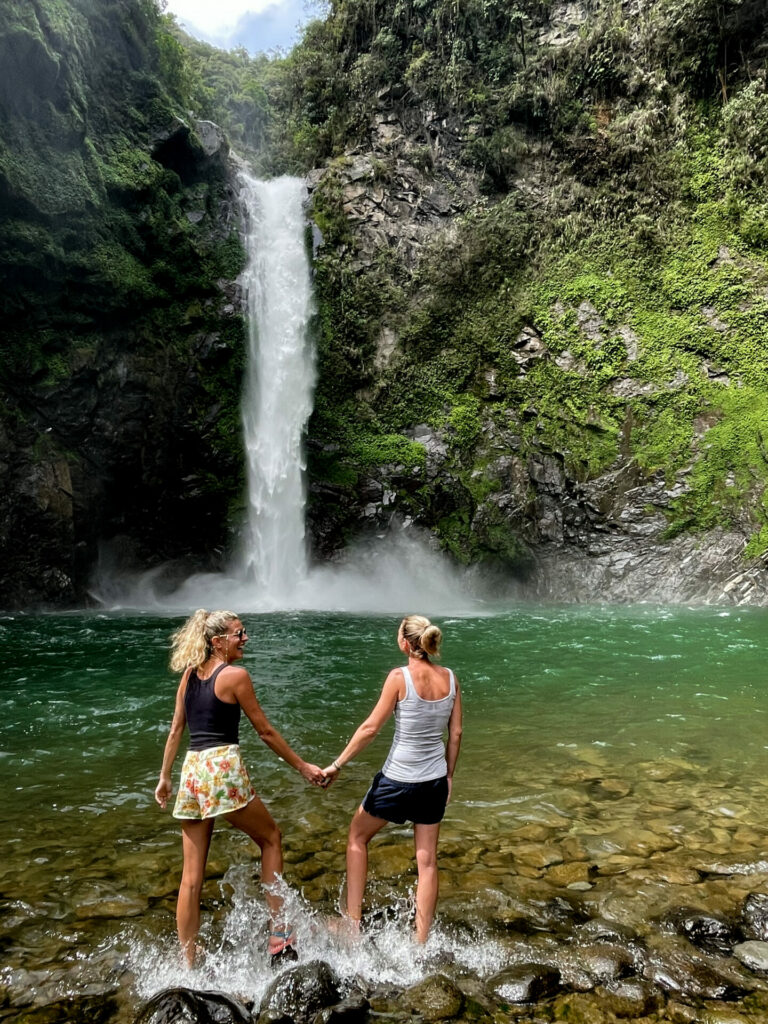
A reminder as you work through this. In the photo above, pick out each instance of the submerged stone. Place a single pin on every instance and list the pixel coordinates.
(434, 998)
(754, 915)
(352, 1010)
(525, 983)
(753, 955)
(629, 997)
(712, 932)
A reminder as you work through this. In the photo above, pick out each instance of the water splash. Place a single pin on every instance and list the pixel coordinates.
(236, 960)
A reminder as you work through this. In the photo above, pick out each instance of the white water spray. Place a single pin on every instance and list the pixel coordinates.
(280, 379)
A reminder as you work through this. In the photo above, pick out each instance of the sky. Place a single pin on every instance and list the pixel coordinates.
(255, 24)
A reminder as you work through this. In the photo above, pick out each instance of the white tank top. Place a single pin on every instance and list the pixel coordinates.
(417, 753)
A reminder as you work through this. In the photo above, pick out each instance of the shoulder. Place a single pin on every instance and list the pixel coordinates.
(395, 683)
(236, 676)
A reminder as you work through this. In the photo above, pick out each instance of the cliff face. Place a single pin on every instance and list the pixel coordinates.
(121, 329)
(542, 287)
(543, 293)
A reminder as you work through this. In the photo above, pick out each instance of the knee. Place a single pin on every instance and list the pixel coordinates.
(191, 888)
(356, 843)
(426, 860)
(273, 837)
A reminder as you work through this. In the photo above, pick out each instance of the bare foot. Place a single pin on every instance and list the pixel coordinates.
(345, 927)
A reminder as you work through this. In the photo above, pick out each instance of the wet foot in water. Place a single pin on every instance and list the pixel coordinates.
(281, 945)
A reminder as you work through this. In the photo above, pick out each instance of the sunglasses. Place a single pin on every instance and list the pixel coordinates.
(239, 633)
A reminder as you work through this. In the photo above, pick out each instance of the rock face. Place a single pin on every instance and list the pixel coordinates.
(536, 414)
(122, 327)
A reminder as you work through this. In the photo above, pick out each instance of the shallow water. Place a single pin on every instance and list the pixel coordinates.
(631, 742)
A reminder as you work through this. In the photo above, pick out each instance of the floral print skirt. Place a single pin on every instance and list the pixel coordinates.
(213, 781)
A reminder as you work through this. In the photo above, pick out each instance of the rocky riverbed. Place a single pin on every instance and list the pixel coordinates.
(613, 896)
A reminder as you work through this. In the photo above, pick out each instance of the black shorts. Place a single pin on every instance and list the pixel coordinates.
(423, 803)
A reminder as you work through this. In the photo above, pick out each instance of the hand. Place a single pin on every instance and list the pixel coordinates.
(313, 774)
(163, 791)
(450, 790)
(331, 773)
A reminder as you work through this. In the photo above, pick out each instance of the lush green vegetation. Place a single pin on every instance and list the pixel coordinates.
(612, 173)
(622, 165)
(115, 350)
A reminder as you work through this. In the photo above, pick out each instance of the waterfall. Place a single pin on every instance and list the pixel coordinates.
(398, 571)
(279, 383)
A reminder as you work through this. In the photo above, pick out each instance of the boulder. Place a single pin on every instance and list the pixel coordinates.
(187, 1006)
(300, 993)
(434, 998)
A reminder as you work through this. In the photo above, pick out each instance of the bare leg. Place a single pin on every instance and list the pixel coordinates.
(195, 842)
(361, 830)
(425, 840)
(255, 820)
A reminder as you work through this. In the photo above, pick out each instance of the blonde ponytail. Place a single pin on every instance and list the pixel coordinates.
(424, 638)
(191, 644)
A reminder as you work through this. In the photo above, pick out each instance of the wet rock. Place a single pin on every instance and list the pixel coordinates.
(300, 993)
(578, 1009)
(681, 1013)
(556, 915)
(714, 1014)
(352, 1010)
(525, 983)
(609, 789)
(187, 1006)
(605, 962)
(537, 856)
(712, 932)
(434, 998)
(567, 874)
(691, 977)
(610, 932)
(754, 916)
(629, 998)
(753, 955)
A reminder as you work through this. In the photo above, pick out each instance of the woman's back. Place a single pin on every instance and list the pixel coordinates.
(417, 753)
(431, 682)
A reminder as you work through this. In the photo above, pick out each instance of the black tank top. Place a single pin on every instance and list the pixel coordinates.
(212, 722)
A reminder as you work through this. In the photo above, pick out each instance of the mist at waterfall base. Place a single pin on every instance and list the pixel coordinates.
(397, 571)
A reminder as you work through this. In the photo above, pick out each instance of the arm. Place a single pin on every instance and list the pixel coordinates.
(370, 728)
(164, 787)
(240, 686)
(453, 745)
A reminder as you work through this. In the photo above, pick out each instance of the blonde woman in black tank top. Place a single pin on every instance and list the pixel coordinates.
(212, 693)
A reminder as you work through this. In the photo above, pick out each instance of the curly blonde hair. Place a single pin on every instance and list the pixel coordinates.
(191, 644)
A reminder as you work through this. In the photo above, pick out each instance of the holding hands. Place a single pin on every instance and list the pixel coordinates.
(313, 774)
(331, 773)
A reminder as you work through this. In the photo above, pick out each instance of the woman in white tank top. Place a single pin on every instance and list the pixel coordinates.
(415, 782)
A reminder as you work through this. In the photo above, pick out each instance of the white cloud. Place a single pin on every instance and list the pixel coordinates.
(255, 24)
(215, 18)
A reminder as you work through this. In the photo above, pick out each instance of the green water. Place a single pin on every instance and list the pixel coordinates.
(639, 735)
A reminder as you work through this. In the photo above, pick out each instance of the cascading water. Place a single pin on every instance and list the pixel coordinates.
(395, 572)
(280, 380)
